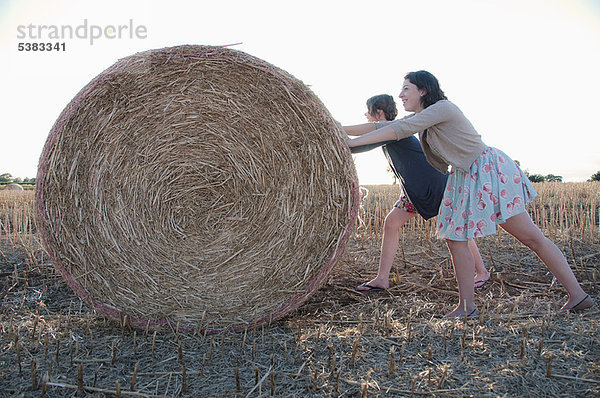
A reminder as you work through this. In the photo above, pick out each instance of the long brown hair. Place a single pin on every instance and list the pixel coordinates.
(426, 81)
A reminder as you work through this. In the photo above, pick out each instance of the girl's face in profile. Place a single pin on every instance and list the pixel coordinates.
(379, 116)
(411, 97)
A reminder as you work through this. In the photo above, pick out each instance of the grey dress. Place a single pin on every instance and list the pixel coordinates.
(423, 185)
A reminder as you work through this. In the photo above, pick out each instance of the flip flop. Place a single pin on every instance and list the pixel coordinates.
(580, 306)
(368, 287)
(472, 314)
(482, 283)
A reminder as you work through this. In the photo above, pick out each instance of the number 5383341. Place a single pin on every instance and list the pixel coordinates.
(42, 46)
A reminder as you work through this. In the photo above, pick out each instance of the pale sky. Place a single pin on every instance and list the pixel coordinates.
(525, 72)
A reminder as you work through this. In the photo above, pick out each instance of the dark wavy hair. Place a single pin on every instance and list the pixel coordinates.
(426, 81)
(384, 102)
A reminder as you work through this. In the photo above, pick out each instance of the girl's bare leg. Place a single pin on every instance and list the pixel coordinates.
(481, 273)
(389, 246)
(522, 228)
(464, 268)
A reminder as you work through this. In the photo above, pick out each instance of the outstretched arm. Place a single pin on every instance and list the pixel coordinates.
(441, 111)
(359, 129)
(386, 133)
(366, 148)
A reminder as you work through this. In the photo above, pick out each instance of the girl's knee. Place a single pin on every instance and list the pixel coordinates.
(534, 241)
(391, 224)
(394, 220)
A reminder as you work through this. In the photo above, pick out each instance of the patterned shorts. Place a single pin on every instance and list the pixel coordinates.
(404, 204)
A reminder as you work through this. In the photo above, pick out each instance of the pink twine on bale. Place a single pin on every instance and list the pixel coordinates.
(69, 235)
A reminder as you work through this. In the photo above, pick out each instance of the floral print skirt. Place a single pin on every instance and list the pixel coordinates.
(405, 204)
(475, 202)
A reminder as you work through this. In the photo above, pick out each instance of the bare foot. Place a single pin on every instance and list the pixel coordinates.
(580, 305)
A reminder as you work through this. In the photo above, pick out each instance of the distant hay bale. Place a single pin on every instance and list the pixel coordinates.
(13, 187)
(195, 186)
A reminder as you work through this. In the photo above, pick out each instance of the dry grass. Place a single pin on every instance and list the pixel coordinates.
(340, 343)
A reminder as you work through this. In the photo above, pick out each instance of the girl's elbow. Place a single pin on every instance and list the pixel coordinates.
(391, 135)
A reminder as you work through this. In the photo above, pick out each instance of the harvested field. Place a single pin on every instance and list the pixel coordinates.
(340, 343)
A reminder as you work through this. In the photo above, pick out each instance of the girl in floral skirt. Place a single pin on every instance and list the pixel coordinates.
(486, 188)
(422, 189)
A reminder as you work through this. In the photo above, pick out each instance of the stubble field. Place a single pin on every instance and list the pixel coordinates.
(341, 343)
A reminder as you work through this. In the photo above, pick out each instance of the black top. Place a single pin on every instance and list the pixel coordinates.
(423, 184)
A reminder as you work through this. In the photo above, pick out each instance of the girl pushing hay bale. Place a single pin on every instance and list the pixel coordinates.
(485, 189)
(195, 186)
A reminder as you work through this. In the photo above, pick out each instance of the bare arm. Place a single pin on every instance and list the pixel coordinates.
(359, 129)
(440, 112)
(386, 133)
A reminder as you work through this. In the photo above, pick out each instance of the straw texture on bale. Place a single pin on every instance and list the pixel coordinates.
(195, 186)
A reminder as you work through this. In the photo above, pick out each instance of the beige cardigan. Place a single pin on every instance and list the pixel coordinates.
(446, 135)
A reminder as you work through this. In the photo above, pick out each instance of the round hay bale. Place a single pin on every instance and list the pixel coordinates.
(13, 187)
(195, 186)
